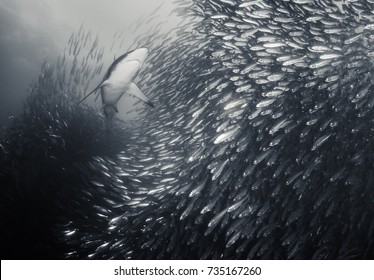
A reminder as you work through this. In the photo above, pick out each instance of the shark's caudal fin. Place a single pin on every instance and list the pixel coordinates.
(99, 86)
(110, 111)
(135, 91)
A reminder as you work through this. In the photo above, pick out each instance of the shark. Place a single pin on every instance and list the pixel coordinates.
(118, 80)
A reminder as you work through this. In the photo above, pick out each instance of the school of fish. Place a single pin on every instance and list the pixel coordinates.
(258, 146)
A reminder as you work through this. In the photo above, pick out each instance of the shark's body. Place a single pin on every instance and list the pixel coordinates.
(119, 80)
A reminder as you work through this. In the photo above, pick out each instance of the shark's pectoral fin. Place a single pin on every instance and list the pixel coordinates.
(97, 96)
(103, 83)
(135, 91)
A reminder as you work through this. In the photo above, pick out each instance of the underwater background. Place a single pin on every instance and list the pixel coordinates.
(259, 145)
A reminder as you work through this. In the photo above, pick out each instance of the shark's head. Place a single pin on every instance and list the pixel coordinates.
(137, 54)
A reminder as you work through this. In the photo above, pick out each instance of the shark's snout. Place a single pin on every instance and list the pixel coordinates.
(139, 55)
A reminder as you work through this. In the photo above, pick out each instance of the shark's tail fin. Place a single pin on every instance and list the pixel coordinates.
(110, 111)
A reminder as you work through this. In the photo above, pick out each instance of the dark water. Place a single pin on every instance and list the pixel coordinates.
(259, 145)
